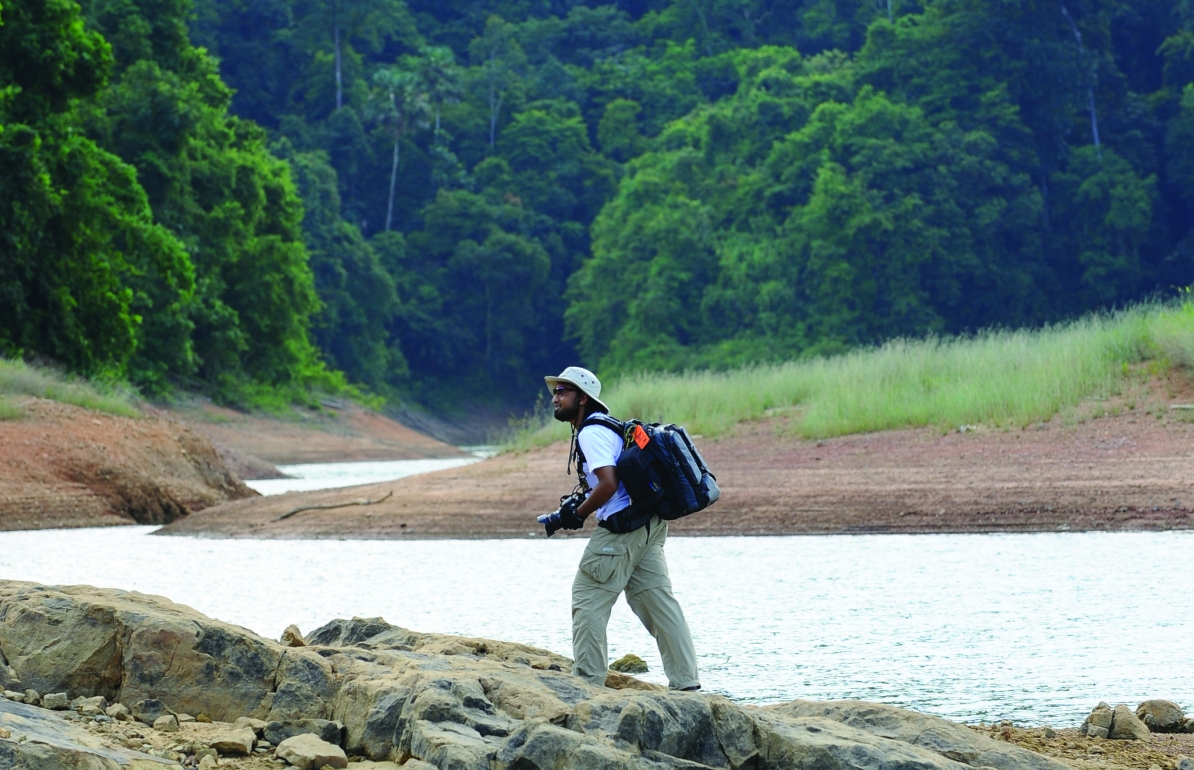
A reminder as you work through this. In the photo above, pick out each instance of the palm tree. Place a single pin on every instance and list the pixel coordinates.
(399, 103)
(441, 78)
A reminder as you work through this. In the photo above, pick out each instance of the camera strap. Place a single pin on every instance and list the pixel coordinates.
(574, 451)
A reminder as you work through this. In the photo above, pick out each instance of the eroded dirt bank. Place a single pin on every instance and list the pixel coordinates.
(1126, 472)
(64, 466)
(252, 444)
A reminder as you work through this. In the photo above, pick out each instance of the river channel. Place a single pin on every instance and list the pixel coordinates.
(1036, 628)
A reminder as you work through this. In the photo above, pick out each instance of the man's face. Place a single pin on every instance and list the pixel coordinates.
(566, 401)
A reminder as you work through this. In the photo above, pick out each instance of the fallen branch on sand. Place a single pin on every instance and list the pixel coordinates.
(300, 509)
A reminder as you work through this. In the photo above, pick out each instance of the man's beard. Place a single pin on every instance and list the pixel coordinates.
(566, 415)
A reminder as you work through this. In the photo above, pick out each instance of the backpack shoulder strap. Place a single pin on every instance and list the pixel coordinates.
(598, 419)
(605, 421)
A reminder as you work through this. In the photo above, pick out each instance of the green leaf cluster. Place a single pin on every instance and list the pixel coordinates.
(149, 233)
(647, 184)
(437, 198)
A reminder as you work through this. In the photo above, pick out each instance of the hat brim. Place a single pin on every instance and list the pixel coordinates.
(553, 381)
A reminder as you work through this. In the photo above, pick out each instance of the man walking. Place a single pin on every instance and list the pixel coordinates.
(615, 560)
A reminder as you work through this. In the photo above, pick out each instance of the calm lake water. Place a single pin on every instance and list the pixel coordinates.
(1035, 628)
(307, 477)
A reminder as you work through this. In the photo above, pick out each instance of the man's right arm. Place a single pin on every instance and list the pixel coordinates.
(607, 485)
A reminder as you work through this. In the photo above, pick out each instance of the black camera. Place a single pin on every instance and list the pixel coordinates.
(563, 517)
(551, 522)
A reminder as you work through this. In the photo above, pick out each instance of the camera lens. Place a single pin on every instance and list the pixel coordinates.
(551, 522)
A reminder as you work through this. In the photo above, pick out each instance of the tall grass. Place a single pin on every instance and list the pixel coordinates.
(1171, 334)
(998, 378)
(9, 411)
(20, 379)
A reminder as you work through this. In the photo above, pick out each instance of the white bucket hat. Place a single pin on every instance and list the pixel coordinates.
(581, 379)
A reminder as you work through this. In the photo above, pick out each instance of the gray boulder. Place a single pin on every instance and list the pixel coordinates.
(814, 742)
(32, 698)
(942, 737)
(448, 744)
(1125, 726)
(91, 707)
(678, 725)
(166, 724)
(53, 743)
(236, 743)
(305, 686)
(143, 647)
(256, 725)
(55, 701)
(292, 637)
(119, 712)
(447, 701)
(308, 752)
(8, 676)
(149, 711)
(1098, 723)
(1161, 716)
(324, 729)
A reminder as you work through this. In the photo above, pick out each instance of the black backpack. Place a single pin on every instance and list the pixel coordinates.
(660, 468)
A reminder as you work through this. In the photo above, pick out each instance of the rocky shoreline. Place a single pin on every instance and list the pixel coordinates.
(102, 679)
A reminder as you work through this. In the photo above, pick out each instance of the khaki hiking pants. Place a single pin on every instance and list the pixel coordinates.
(634, 563)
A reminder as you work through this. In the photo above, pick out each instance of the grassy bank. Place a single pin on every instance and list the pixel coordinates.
(997, 378)
(19, 380)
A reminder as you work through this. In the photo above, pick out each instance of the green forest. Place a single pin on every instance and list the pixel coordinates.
(439, 197)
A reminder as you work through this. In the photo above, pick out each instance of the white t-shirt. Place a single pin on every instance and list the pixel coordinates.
(602, 448)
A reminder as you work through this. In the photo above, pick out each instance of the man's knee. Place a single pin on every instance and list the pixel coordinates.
(652, 596)
(589, 596)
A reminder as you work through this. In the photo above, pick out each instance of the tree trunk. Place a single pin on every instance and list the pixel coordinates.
(393, 181)
(494, 103)
(1094, 117)
(339, 77)
(1045, 193)
(497, 111)
(488, 324)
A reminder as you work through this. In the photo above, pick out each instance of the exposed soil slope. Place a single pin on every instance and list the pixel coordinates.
(65, 466)
(1126, 472)
(251, 444)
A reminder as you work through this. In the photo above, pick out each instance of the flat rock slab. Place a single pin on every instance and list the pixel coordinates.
(53, 743)
(308, 752)
(952, 741)
(237, 743)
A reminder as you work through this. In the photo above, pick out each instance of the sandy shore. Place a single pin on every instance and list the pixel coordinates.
(252, 444)
(1126, 472)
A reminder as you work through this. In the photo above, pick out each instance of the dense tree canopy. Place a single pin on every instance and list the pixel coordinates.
(464, 194)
